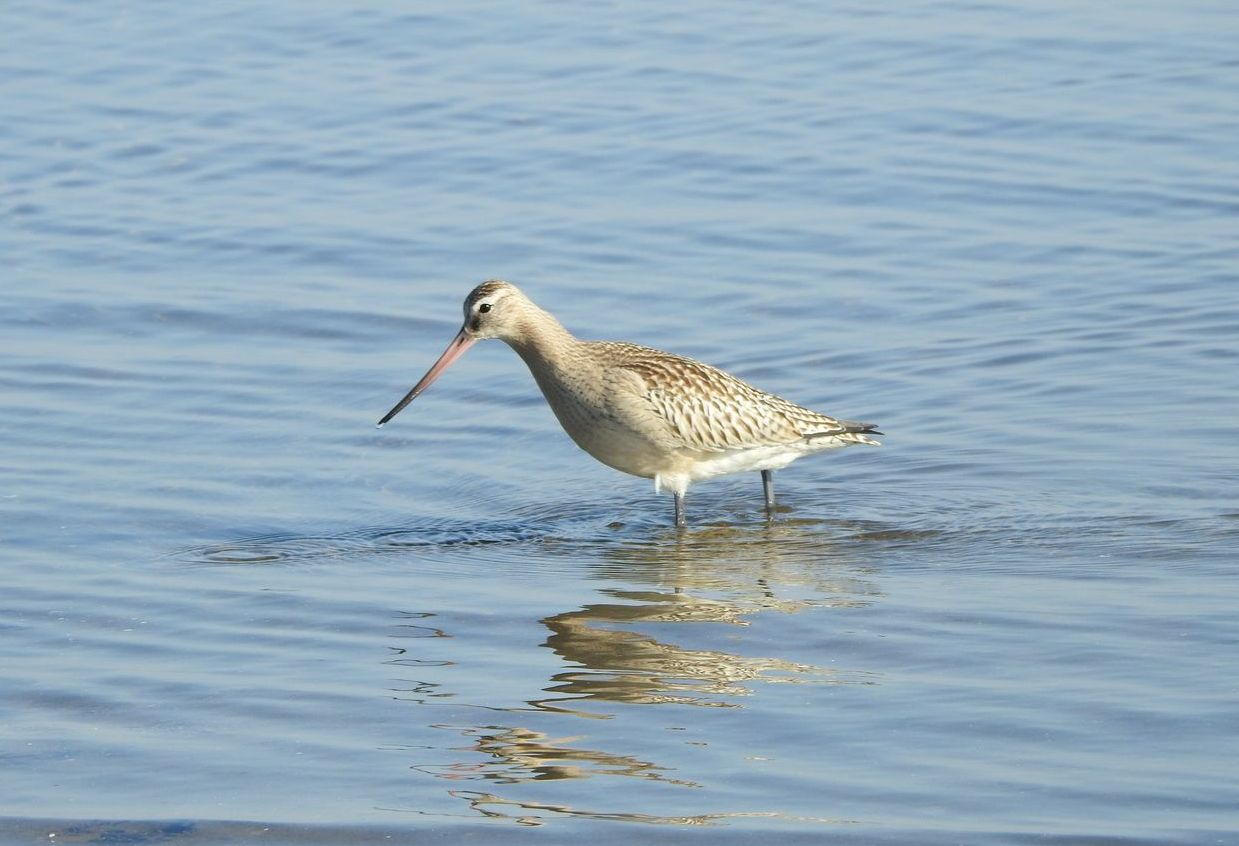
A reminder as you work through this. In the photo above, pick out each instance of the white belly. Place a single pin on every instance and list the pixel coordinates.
(750, 459)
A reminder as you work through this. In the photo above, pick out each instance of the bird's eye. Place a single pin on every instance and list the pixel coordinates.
(483, 308)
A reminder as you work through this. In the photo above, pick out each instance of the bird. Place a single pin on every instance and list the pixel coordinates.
(643, 411)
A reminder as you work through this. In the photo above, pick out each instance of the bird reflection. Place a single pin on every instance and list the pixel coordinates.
(536, 813)
(514, 754)
(619, 652)
(721, 575)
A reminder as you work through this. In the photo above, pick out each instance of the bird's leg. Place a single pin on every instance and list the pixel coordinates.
(679, 511)
(767, 486)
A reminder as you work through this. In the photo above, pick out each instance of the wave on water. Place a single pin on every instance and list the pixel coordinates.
(288, 548)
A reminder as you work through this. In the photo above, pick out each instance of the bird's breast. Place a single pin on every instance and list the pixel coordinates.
(601, 420)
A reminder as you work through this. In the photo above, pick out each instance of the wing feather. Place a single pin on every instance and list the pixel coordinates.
(702, 408)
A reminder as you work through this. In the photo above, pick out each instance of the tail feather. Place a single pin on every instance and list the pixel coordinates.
(860, 428)
(850, 431)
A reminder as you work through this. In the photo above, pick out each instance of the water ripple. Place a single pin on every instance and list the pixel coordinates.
(292, 549)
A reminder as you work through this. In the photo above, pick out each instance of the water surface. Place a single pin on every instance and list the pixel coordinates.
(234, 235)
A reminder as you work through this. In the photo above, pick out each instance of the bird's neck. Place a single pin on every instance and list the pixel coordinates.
(544, 343)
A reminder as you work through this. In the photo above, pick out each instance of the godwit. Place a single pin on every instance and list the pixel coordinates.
(642, 411)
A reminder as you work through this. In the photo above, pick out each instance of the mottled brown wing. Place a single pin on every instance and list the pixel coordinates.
(705, 409)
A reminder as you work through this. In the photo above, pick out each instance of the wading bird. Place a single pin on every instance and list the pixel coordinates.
(643, 411)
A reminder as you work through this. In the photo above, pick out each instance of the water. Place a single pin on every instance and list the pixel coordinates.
(234, 234)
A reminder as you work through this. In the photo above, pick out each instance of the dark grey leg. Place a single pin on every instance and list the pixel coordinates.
(679, 511)
(767, 486)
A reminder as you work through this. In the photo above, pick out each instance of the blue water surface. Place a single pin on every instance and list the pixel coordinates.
(234, 234)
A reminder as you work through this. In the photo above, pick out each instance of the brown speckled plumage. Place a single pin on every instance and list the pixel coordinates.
(710, 410)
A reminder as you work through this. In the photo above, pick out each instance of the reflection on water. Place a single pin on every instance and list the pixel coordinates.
(752, 565)
(631, 667)
(534, 813)
(519, 755)
(609, 657)
(718, 575)
(649, 637)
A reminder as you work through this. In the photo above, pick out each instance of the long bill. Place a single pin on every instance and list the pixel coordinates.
(454, 351)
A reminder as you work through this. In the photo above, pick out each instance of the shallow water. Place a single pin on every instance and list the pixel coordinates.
(234, 236)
